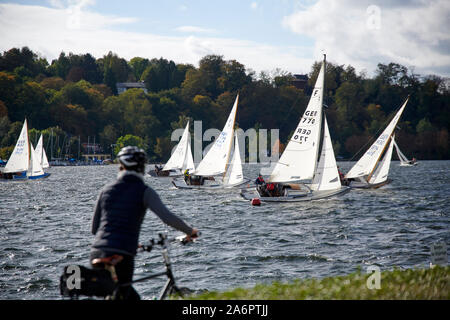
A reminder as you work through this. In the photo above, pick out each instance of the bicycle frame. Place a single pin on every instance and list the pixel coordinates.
(170, 283)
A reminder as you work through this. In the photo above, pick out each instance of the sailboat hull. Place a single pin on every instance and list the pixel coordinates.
(365, 185)
(408, 164)
(208, 184)
(24, 177)
(165, 174)
(296, 197)
(45, 175)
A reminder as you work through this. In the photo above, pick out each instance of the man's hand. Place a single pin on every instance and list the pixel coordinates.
(193, 235)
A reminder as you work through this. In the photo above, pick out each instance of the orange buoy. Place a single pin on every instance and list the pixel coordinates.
(256, 202)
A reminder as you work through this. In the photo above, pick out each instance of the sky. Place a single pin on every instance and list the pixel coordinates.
(263, 35)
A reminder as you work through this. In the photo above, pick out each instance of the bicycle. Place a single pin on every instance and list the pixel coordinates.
(102, 280)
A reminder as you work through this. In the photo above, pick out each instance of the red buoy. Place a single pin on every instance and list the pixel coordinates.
(256, 202)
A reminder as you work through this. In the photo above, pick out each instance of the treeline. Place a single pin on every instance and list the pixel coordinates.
(74, 99)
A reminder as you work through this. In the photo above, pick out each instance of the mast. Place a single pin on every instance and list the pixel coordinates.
(29, 147)
(51, 150)
(322, 115)
(79, 140)
(231, 142)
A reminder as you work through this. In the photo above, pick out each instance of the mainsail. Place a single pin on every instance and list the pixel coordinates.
(299, 159)
(366, 165)
(20, 157)
(216, 159)
(182, 156)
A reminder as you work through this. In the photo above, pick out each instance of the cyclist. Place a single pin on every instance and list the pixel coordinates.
(119, 213)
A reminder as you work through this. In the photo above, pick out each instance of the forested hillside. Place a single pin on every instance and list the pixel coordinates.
(75, 98)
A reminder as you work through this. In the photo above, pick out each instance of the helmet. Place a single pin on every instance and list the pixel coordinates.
(132, 158)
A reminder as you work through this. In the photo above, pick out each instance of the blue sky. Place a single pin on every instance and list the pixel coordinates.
(264, 35)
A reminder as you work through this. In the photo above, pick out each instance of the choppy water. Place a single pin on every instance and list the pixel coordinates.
(45, 225)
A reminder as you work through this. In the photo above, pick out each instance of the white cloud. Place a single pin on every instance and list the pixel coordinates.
(193, 29)
(254, 5)
(47, 32)
(414, 34)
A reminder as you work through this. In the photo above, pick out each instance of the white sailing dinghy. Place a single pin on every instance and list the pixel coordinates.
(180, 160)
(369, 171)
(24, 163)
(404, 161)
(299, 161)
(41, 155)
(213, 172)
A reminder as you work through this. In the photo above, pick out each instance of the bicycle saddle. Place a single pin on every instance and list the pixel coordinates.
(108, 261)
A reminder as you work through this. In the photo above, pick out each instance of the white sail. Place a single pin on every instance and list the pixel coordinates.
(20, 157)
(381, 173)
(403, 159)
(327, 175)
(35, 168)
(216, 159)
(40, 152)
(188, 160)
(369, 160)
(45, 163)
(299, 159)
(234, 174)
(179, 156)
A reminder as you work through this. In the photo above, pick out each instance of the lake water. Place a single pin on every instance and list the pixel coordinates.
(45, 225)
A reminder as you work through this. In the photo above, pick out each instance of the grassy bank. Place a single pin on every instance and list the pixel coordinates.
(396, 284)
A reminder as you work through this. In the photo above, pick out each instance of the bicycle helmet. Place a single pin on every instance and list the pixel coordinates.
(132, 158)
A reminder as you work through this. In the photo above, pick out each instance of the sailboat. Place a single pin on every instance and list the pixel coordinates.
(24, 162)
(214, 172)
(404, 162)
(301, 160)
(180, 160)
(42, 156)
(371, 171)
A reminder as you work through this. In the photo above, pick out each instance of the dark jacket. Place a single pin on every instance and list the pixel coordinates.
(120, 211)
(119, 215)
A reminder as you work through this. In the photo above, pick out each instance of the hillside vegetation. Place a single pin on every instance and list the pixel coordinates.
(74, 98)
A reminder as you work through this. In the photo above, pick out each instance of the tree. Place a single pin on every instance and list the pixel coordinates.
(25, 58)
(163, 148)
(138, 66)
(5, 126)
(129, 140)
(392, 74)
(10, 138)
(211, 68)
(114, 70)
(162, 75)
(3, 110)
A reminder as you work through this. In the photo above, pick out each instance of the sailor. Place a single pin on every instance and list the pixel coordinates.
(270, 188)
(187, 176)
(259, 180)
(119, 212)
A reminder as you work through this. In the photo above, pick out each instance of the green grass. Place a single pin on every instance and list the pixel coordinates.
(397, 284)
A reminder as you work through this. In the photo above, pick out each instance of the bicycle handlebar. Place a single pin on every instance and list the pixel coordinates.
(163, 239)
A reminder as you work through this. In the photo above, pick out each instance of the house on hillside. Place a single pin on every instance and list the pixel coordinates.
(124, 86)
(300, 81)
